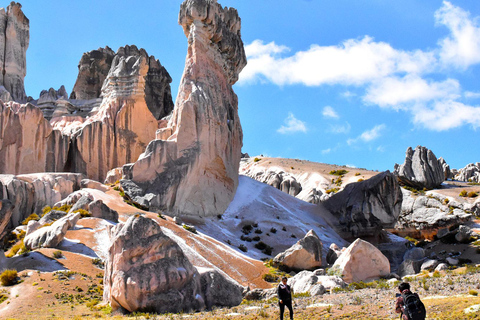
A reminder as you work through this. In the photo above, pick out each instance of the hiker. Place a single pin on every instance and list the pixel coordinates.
(408, 304)
(284, 294)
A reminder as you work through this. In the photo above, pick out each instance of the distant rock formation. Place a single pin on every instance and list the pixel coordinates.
(14, 40)
(446, 169)
(364, 208)
(148, 271)
(191, 168)
(470, 173)
(277, 178)
(306, 254)
(421, 169)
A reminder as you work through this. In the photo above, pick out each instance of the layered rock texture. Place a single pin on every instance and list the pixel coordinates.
(421, 169)
(364, 208)
(471, 173)
(192, 166)
(14, 39)
(148, 271)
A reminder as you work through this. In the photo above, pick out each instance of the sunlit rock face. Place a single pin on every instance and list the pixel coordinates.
(14, 40)
(192, 166)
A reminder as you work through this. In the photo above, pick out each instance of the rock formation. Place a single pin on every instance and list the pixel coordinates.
(446, 169)
(364, 208)
(361, 261)
(192, 166)
(51, 236)
(421, 169)
(471, 173)
(14, 39)
(146, 270)
(277, 178)
(306, 254)
(5, 215)
(315, 282)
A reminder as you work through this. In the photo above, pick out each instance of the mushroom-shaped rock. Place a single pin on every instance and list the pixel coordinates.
(51, 236)
(306, 254)
(421, 169)
(361, 261)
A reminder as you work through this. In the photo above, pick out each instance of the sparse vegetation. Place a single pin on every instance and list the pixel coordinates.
(243, 248)
(463, 193)
(8, 277)
(190, 228)
(357, 174)
(32, 217)
(57, 254)
(258, 231)
(83, 213)
(273, 230)
(256, 159)
(18, 248)
(472, 194)
(340, 172)
(98, 262)
(246, 229)
(265, 248)
(334, 190)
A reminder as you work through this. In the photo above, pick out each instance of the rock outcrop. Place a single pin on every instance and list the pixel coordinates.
(51, 236)
(315, 282)
(29, 193)
(361, 261)
(470, 173)
(192, 166)
(446, 169)
(277, 178)
(364, 208)
(421, 169)
(306, 254)
(14, 40)
(5, 215)
(147, 270)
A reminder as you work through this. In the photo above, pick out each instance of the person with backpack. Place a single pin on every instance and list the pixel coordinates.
(409, 305)
(284, 293)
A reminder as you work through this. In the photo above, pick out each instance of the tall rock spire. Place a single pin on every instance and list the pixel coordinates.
(192, 166)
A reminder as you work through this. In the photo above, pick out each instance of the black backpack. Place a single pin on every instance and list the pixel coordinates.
(414, 308)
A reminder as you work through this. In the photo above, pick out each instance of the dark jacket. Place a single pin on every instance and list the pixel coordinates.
(284, 292)
(400, 304)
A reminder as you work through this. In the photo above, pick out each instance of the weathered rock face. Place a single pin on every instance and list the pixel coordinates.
(279, 179)
(364, 208)
(306, 254)
(192, 167)
(29, 193)
(27, 141)
(14, 39)
(5, 215)
(432, 211)
(446, 169)
(471, 173)
(92, 70)
(100, 210)
(51, 236)
(146, 270)
(361, 261)
(421, 169)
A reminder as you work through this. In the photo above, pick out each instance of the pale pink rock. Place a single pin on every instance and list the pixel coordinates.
(361, 261)
(192, 167)
(306, 254)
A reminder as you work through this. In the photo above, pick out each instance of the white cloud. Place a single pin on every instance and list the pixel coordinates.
(462, 47)
(292, 125)
(471, 95)
(344, 128)
(348, 94)
(368, 135)
(329, 112)
(444, 115)
(326, 151)
(395, 91)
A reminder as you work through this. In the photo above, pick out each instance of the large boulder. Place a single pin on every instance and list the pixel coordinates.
(191, 168)
(306, 254)
(100, 210)
(14, 40)
(421, 169)
(361, 261)
(51, 236)
(446, 169)
(366, 207)
(148, 271)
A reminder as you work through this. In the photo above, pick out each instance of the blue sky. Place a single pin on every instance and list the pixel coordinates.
(340, 82)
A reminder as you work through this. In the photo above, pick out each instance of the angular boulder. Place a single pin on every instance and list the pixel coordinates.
(191, 168)
(366, 207)
(100, 210)
(219, 290)
(306, 254)
(51, 236)
(361, 261)
(421, 169)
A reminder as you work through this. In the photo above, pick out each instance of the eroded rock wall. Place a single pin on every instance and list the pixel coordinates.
(192, 166)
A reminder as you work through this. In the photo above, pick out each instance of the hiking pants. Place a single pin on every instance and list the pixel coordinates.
(282, 308)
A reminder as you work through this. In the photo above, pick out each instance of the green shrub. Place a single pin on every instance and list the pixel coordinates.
(31, 217)
(472, 194)
(256, 159)
(260, 245)
(334, 190)
(258, 231)
(357, 174)
(190, 228)
(98, 262)
(161, 216)
(243, 248)
(273, 230)
(57, 254)
(18, 248)
(339, 172)
(46, 210)
(473, 292)
(256, 238)
(83, 213)
(269, 277)
(463, 193)
(8, 277)
(3, 297)
(246, 229)
(446, 201)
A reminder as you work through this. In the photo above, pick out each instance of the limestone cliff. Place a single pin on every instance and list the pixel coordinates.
(14, 40)
(192, 166)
